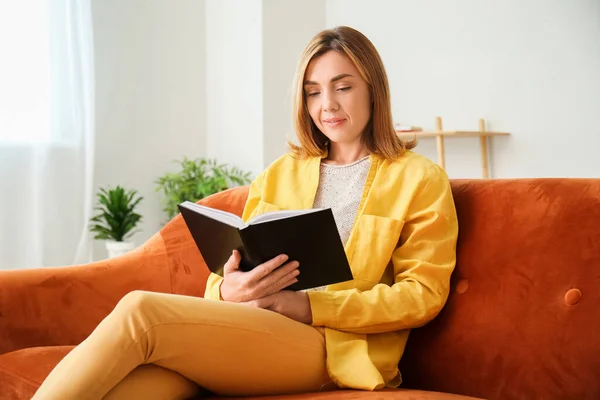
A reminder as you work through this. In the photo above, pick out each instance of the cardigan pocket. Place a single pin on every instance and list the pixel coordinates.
(377, 238)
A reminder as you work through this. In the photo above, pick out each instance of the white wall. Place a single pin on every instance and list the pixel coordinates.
(530, 67)
(252, 47)
(212, 78)
(234, 82)
(288, 25)
(150, 96)
(198, 78)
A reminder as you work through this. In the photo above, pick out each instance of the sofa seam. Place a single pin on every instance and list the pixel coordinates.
(19, 377)
(166, 255)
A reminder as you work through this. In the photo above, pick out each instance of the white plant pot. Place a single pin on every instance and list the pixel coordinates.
(116, 249)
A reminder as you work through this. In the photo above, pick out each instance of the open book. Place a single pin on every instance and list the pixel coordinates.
(307, 236)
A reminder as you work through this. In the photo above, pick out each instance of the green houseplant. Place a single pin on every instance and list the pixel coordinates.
(116, 218)
(195, 180)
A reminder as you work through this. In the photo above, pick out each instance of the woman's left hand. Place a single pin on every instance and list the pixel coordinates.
(294, 305)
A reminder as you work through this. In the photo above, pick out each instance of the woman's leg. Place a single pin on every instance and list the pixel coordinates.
(151, 382)
(226, 348)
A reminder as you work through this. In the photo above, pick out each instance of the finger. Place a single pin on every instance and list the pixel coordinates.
(233, 263)
(278, 277)
(250, 303)
(266, 268)
(281, 285)
(282, 272)
(264, 302)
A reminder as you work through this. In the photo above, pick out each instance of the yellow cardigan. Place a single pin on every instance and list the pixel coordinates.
(402, 250)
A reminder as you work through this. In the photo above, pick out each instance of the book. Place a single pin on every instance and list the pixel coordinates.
(307, 236)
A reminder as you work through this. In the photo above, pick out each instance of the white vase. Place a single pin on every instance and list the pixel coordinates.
(116, 249)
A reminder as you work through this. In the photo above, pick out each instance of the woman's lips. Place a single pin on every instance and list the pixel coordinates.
(333, 122)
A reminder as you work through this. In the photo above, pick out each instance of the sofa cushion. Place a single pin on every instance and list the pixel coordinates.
(386, 394)
(22, 372)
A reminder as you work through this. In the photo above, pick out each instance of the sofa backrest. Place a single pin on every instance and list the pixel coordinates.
(523, 317)
(522, 320)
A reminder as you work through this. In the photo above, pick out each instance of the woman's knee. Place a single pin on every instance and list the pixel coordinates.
(136, 300)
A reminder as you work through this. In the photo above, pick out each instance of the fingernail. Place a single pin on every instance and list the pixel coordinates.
(284, 257)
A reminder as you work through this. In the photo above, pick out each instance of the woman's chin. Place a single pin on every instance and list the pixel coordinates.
(340, 137)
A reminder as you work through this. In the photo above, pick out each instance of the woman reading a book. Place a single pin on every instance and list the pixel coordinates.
(395, 215)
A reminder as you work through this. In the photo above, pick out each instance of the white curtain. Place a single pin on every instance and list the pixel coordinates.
(46, 132)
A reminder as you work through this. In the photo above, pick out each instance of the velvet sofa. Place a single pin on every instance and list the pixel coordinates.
(522, 320)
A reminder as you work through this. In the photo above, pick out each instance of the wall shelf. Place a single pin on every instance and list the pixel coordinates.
(439, 135)
(419, 134)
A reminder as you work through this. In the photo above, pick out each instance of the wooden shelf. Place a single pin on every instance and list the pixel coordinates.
(440, 134)
(433, 134)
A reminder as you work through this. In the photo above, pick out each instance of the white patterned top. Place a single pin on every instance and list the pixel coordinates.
(341, 188)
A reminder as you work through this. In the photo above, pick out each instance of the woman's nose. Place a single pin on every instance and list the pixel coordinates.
(329, 102)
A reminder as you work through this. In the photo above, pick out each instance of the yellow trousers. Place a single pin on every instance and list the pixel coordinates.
(164, 346)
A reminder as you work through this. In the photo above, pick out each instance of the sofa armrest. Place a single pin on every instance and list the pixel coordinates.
(188, 269)
(61, 306)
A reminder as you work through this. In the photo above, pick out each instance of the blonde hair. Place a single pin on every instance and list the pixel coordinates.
(379, 135)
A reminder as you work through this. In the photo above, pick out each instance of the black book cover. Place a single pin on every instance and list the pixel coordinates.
(307, 236)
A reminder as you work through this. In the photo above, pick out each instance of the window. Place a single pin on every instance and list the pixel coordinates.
(25, 72)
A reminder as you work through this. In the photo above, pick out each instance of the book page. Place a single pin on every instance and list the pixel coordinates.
(219, 215)
(275, 215)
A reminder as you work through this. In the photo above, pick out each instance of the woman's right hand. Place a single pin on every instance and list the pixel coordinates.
(239, 286)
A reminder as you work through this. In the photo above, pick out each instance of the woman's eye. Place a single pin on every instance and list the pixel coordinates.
(313, 94)
(344, 89)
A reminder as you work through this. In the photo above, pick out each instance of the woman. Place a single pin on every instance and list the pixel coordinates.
(395, 215)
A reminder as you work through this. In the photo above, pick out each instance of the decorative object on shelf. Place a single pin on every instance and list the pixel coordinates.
(439, 134)
(116, 219)
(407, 128)
(196, 180)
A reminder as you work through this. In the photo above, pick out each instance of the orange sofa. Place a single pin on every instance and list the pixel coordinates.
(522, 320)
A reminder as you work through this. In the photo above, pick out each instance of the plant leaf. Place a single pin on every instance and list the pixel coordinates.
(116, 215)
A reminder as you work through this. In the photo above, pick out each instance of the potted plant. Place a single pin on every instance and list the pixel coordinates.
(196, 180)
(116, 219)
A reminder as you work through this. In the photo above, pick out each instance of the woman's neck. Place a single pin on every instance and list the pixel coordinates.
(341, 155)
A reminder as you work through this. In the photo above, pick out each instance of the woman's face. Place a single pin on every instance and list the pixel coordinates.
(337, 97)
